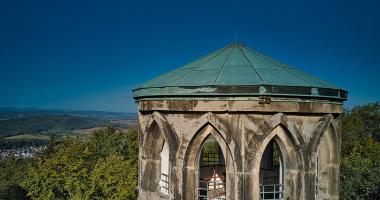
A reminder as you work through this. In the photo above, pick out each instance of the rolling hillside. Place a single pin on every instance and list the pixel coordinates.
(45, 124)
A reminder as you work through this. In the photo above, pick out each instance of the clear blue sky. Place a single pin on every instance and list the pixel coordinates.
(88, 55)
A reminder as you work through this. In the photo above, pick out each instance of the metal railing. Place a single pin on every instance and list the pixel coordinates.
(212, 190)
(272, 192)
(164, 183)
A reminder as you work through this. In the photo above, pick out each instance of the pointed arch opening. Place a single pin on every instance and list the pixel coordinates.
(212, 171)
(156, 160)
(271, 172)
(208, 166)
(285, 181)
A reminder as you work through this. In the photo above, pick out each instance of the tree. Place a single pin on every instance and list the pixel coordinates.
(12, 172)
(360, 159)
(114, 177)
(133, 147)
(62, 175)
(359, 124)
(98, 168)
(360, 172)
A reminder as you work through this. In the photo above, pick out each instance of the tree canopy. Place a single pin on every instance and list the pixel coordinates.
(98, 168)
(12, 172)
(360, 159)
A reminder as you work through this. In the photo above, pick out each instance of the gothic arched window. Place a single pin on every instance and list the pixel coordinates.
(212, 171)
(271, 172)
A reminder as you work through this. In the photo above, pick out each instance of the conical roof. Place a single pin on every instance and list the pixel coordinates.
(236, 70)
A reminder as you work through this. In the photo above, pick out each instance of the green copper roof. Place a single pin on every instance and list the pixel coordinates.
(236, 70)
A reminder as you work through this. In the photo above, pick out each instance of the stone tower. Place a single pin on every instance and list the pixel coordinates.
(236, 124)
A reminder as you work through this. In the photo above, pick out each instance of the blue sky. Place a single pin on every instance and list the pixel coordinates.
(88, 55)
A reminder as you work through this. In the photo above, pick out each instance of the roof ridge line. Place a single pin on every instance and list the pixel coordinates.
(254, 69)
(220, 71)
(192, 69)
(280, 65)
(202, 57)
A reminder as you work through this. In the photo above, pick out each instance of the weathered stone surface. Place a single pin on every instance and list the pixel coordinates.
(308, 135)
(248, 104)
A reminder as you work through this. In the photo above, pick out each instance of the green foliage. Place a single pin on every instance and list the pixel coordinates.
(133, 147)
(20, 141)
(98, 168)
(360, 166)
(360, 172)
(60, 176)
(107, 140)
(12, 172)
(211, 153)
(211, 146)
(114, 177)
(53, 142)
(359, 124)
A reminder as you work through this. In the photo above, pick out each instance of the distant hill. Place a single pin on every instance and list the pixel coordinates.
(47, 123)
(7, 113)
(16, 121)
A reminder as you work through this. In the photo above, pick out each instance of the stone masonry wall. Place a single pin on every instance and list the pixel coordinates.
(309, 138)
